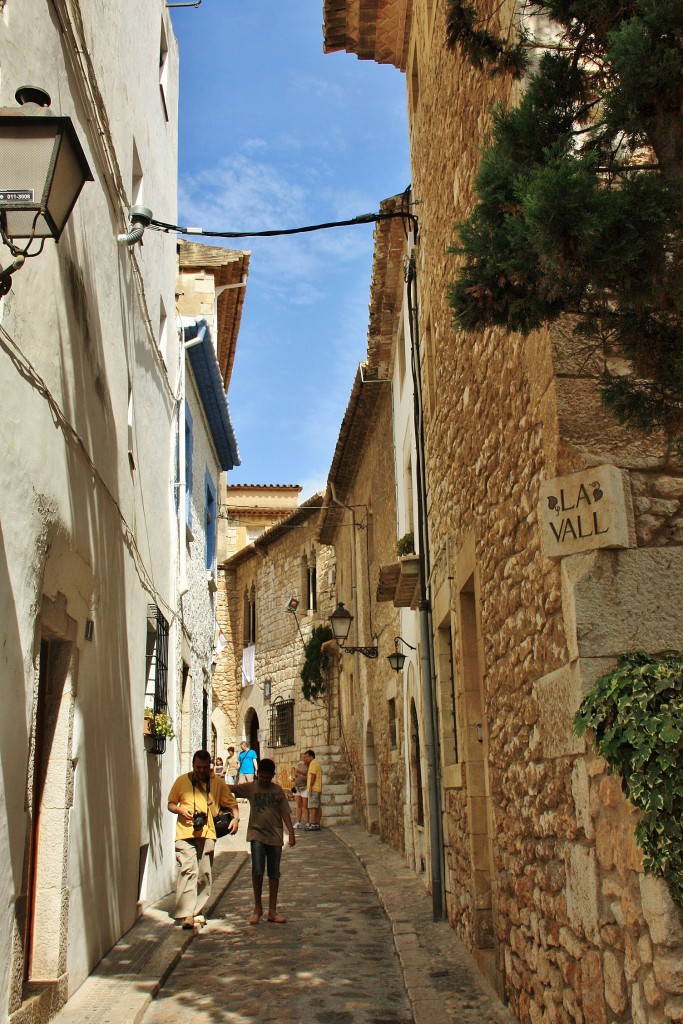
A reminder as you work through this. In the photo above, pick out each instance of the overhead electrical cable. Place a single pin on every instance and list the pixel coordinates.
(364, 218)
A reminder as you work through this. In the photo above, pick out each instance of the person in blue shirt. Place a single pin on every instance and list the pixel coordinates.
(247, 763)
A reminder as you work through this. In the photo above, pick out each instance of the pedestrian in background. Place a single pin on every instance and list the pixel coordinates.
(268, 809)
(300, 794)
(314, 787)
(219, 769)
(195, 797)
(232, 766)
(247, 762)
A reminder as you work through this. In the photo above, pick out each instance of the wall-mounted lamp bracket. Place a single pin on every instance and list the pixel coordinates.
(397, 659)
(367, 652)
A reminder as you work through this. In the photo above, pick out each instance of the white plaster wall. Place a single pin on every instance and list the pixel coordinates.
(79, 330)
(404, 454)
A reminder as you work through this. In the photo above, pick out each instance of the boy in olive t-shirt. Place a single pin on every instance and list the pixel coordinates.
(269, 808)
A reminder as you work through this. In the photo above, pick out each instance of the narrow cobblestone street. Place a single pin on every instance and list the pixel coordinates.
(359, 947)
(334, 962)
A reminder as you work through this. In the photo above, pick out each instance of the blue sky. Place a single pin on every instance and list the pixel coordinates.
(275, 134)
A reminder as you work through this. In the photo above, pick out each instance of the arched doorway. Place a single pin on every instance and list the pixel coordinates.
(251, 731)
(416, 826)
(371, 781)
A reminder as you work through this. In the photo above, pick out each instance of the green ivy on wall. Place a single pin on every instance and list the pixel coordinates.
(314, 671)
(636, 712)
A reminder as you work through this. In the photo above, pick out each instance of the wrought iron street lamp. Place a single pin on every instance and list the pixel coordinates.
(397, 659)
(42, 171)
(341, 620)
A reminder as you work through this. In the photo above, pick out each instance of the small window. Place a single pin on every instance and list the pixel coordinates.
(253, 532)
(189, 440)
(156, 675)
(249, 623)
(415, 83)
(131, 428)
(282, 723)
(210, 521)
(401, 353)
(267, 689)
(429, 366)
(137, 179)
(309, 582)
(163, 69)
(392, 723)
(163, 331)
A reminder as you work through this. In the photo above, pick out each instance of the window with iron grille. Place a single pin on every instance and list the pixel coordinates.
(156, 693)
(282, 723)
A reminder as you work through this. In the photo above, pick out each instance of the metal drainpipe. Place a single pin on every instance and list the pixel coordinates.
(434, 794)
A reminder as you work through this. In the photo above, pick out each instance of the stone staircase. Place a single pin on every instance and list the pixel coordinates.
(338, 808)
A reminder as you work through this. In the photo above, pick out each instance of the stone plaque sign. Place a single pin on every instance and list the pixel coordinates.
(586, 510)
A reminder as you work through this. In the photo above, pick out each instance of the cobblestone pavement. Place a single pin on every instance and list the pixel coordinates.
(334, 962)
(359, 945)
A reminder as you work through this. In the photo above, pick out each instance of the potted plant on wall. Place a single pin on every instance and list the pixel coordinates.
(148, 722)
(406, 544)
(158, 724)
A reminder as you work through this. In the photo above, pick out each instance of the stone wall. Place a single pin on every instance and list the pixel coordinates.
(543, 880)
(274, 568)
(368, 525)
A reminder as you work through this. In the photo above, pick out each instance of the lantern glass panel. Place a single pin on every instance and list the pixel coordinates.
(66, 183)
(42, 171)
(25, 161)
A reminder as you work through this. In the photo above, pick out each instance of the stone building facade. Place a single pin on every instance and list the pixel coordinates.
(259, 668)
(245, 512)
(359, 522)
(249, 509)
(541, 874)
(360, 519)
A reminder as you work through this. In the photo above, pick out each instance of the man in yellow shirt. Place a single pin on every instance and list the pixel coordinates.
(314, 787)
(195, 798)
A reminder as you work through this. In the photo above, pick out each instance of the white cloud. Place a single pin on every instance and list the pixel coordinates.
(244, 193)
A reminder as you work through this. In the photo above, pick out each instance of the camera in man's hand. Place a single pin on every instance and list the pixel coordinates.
(199, 820)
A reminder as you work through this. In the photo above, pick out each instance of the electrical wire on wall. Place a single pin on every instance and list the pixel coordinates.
(73, 438)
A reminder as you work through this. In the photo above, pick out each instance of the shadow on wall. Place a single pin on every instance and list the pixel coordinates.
(98, 566)
(13, 747)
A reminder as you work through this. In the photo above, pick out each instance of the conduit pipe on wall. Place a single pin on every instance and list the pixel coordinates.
(140, 218)
(434, 795)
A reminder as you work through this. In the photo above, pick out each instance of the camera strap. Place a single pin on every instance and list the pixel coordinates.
(209, 796)
(196, 785)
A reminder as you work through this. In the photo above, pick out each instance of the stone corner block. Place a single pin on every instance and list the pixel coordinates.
(616, 601)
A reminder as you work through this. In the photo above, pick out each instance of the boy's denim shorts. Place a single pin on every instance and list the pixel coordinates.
(263, 854)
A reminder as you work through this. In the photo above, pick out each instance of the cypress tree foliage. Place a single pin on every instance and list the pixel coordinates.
(580, 196)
